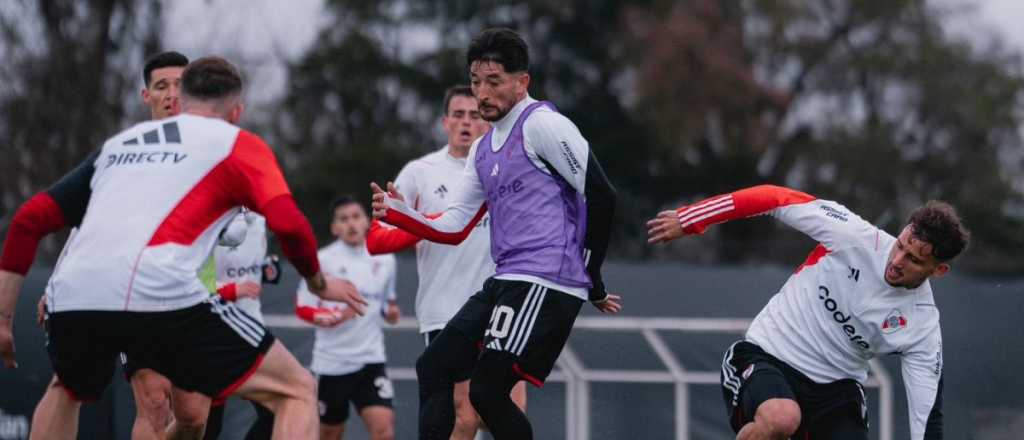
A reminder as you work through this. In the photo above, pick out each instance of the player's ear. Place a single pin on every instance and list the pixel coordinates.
(940, 270)
(145, 94)
(236, 112)
(524, 81)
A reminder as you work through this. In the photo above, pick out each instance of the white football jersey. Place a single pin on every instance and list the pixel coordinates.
(349, 346)
(244, 263)
(159, 194)
(837, 311)
(448, 275)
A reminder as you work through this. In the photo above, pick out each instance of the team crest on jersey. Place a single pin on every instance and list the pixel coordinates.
(894, 322)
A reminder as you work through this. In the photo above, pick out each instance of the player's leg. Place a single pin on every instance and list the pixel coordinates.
(530, 327)
(83, 350)
(761, 403)
(519, 395)
(466, 419)
(333, 394)
(372, 398)
(56, 414)
(380, 422)
(489, 391)
(263, 427)
(447, 360)
(151, 391)
(216, 350)
(214, 420)
(282, 385)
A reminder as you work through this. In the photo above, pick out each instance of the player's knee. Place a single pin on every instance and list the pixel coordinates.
(305, 385)
(780, 416)
(190, 417)
(383, 431)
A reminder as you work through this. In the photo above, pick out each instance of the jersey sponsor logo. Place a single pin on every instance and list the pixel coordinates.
(894, 322)
(835, 213)
(150, 157)
(238, 272)
(507, 189)
(570, 158)
(841, 318)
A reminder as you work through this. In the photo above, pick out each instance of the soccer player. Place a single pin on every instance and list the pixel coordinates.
(551, 208)
(149, 205)
(240, 266)
(56, 415)
(448, 275)
(861, 293)
(348, 354)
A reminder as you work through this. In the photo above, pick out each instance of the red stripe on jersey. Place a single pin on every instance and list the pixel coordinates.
(748, 202)
(36, 218)
(249, 176)
(421, 230)
(816, 255)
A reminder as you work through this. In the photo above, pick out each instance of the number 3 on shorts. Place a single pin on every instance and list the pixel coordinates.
(384, 388)
(501, 321)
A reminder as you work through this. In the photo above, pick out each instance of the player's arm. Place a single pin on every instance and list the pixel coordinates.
(452, 226)
(309, 308)
(63, 204)
(922, 375)
(391, 311)
(825, 221)
(559, 145)
(255, 179)
(386, 239)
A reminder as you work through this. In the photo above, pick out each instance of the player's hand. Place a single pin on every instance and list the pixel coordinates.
(611, 304)
(248, 289)
(328, 318)
(344, 291)
(41, 311)
(7, 343)
(664, 228)
(392, 314)
(380, 207)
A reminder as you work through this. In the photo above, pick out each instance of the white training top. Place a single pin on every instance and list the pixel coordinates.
(349, 346)
(837, 311)
(448, 275)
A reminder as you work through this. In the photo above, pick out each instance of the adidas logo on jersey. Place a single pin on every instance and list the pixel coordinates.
(495, 170)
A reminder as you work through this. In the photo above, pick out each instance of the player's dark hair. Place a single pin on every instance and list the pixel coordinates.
(160, 60)
(453, 91)
(342, 200)
(211, 78)
(500, 45)
(938, 224)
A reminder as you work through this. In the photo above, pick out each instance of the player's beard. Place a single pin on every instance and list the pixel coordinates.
(501, 112)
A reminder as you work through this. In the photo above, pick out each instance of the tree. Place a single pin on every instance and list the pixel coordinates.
(69, 68)
(871, 104)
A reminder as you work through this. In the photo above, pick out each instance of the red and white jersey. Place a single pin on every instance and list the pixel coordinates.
(349, 346)
(448, 275)
(158, 195)
(244, 263)
(837, 311)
